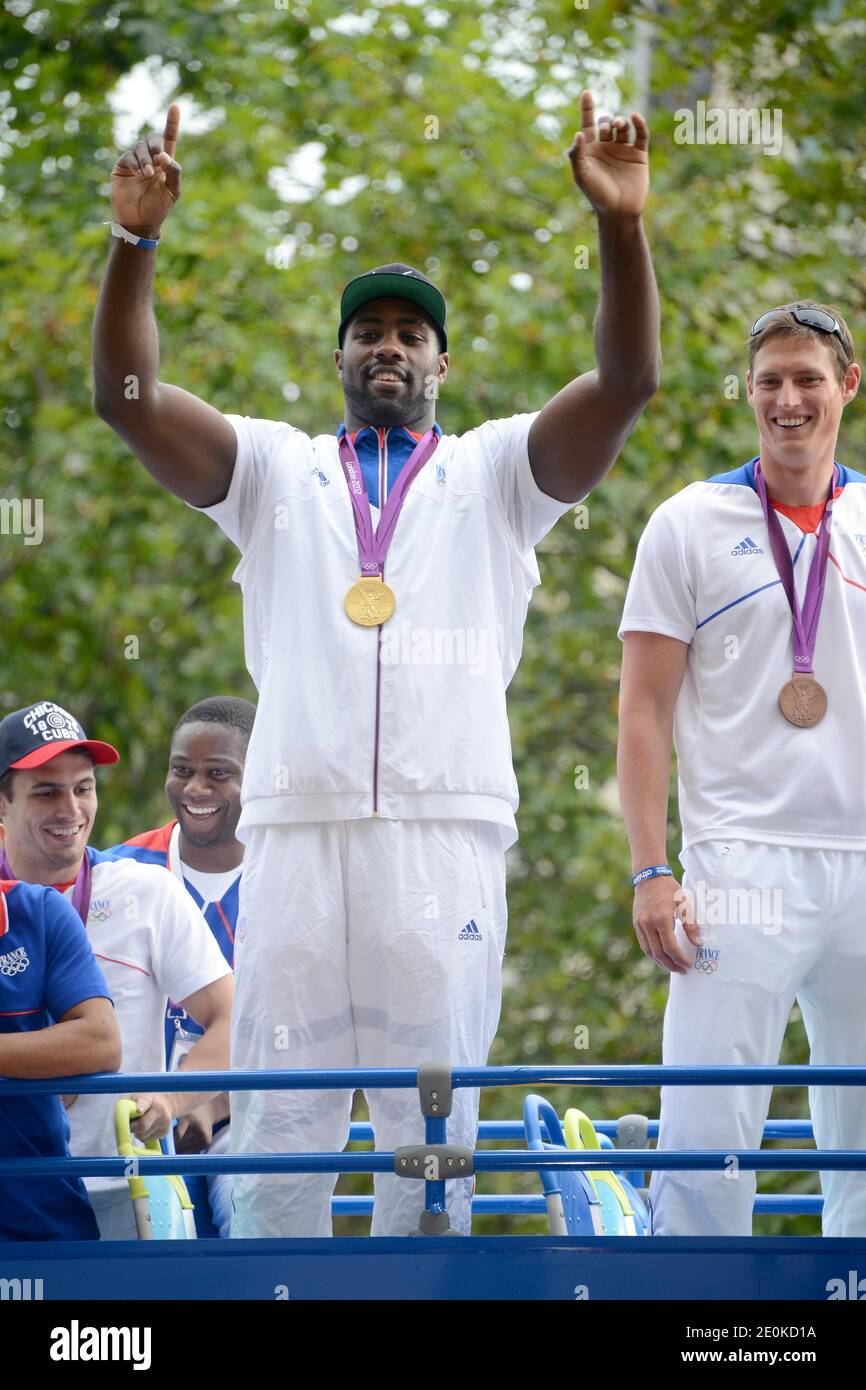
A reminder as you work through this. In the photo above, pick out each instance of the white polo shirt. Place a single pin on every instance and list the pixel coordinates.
(407, 721)
(153, 944)
(704, 573)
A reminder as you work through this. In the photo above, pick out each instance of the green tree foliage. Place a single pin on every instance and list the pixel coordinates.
(441, 132)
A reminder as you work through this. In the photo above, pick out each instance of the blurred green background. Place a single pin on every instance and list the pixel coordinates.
(314, 144)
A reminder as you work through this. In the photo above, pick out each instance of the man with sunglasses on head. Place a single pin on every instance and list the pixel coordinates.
(744, 637)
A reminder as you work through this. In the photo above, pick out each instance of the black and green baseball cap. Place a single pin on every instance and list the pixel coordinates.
(400, 282)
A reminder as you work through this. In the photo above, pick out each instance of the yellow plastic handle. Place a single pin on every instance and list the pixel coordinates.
(580, 1131)
(125, 1111)
(580, 1134)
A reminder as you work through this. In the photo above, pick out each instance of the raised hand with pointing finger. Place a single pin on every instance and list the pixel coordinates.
(612, 170)
(145, 181)
(188, 444)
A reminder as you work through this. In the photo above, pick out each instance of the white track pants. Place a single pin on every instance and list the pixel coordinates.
(351, 950)
(793, 926)
(115, 1215)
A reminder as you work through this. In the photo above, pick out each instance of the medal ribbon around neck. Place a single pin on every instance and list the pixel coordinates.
(370, 601)
(805, 618)
(802, 700)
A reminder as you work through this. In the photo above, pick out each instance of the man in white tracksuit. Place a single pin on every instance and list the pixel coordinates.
(386, 574)
(745, 635)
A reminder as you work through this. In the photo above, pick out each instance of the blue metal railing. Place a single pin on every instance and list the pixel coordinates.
(406, 1078)
(499, 1160)
(486, 1161)
(528, 1204)
(361, 1131)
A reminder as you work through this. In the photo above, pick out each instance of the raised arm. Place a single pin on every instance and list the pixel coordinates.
(577, 436)
(653, 667)
(187, 445)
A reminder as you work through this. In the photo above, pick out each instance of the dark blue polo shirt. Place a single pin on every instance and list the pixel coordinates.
(46, 968)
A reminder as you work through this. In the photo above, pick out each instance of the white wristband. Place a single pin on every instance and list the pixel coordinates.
(147, 243)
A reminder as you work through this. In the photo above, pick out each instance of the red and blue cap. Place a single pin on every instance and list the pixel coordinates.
(37, 733)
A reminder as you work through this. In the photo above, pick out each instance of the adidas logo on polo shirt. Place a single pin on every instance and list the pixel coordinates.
(470, 933)
(690, 582)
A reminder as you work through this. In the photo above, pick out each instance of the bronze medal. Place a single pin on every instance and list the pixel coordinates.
(803, 701)
(370, 602)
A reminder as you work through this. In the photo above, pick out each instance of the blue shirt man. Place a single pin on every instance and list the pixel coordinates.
(56, 1019)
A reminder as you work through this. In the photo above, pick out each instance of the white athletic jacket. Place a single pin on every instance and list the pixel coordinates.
(408, 720)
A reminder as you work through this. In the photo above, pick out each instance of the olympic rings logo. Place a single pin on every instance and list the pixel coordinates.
(15, 963)
(708, 966)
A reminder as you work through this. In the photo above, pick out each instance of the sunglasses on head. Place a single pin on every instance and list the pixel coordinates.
(809, 318)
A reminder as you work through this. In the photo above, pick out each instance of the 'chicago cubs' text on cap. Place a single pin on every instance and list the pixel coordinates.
(37, 733)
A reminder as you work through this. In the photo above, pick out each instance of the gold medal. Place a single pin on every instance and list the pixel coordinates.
(803, 701)
(370, 602)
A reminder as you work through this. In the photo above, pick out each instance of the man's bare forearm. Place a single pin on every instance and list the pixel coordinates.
(626, 330)
(73, 1048)
(125, 336)
(643, 770)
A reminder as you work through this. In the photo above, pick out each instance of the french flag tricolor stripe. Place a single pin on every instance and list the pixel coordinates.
(4, 910)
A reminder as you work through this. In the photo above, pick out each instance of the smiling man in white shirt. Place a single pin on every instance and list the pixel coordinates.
(744, 639)
(203, 787)
(149, 938)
